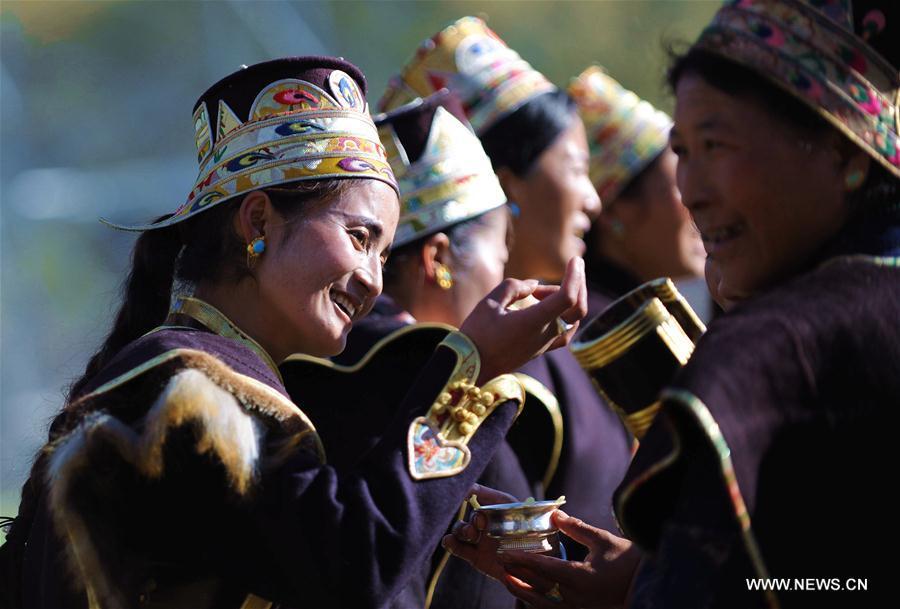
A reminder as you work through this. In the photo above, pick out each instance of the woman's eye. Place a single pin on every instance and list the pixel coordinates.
(711, 145)
(361, 237)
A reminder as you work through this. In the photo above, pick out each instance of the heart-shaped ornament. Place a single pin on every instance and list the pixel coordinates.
(430, 456)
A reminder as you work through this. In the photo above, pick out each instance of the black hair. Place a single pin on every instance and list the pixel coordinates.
(739, 81)
(635, 185)
(517, 141)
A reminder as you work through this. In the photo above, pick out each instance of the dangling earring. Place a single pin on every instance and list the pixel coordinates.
(442, 276)
(854, 179)
(255, 248)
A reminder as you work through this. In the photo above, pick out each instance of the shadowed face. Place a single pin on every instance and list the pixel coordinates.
(658, 238)
(764, 203)
(478, 269)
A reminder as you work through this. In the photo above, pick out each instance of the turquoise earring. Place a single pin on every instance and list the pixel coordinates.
(255, 248)
(854, 179)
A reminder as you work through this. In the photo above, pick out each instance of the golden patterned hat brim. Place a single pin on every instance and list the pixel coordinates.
(451, 182)
(468, 58)
(819, 62)
(625, 133)
(286, 130)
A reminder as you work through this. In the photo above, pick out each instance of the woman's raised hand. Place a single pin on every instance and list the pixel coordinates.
(601, 580)
(506, 339)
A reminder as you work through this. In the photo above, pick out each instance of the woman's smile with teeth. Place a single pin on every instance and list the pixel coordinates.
(344, 304)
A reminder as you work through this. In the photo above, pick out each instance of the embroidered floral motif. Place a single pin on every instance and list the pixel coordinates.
(810, 50)
(624, 132)
(298, 127)
(293, 97)
(352, 164)
(294, 131)
(432, 457)
(468, 58)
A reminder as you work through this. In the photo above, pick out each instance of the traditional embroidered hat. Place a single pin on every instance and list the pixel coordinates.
(468, 58)
(624, 132)
(444, 174)
(809, 49)
(282, 121)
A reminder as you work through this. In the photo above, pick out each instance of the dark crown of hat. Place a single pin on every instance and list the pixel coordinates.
(412, 122)
(239, 89)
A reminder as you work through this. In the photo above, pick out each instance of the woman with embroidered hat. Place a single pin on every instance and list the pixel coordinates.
(531, 131)
(181, 473)
(765, 459)
(449, 251)
(643, 231)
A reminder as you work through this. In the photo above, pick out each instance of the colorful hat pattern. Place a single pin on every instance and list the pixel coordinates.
(444, 174)
(282, 121)
(624, 132)
(468, 58)
(808, 48)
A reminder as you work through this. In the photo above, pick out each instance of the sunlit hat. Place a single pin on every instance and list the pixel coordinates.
(282, 121)
(491, 79)
(810, 49)
(444, 174)
(624, 132)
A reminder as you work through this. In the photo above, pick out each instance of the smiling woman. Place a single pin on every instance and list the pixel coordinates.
(181, 472)
(537, 145)
(776, 431)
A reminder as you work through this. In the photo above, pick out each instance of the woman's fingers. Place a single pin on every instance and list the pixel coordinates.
(466, 532)
(565, 338)
(490, 496)
(579, 530)
(511, 290)
(531, 596)
(535, 579)
(556, 570)
(596, 540)
(566, 297)
(482, 556)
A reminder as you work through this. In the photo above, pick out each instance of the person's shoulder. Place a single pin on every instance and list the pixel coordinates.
(192, 348)
(849, 291)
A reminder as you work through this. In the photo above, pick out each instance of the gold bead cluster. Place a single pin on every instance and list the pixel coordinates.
(471, 404)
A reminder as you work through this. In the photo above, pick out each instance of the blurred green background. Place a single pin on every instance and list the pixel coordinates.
(95, 121)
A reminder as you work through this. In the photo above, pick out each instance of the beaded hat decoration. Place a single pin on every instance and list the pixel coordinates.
(278, 122)
(624, 132)
(468, 58)
(809, 49)
(444, 174)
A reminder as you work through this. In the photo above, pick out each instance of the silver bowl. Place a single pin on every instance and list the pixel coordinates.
(524, 526)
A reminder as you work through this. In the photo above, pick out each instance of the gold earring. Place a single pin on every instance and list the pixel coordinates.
(255, 248)
(442, 276)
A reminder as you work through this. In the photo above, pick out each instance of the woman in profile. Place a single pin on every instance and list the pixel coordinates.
(536, 141)
(643, 231)
(180, 472)
(774, 433)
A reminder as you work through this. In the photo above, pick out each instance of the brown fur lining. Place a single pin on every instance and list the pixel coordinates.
(237, 420)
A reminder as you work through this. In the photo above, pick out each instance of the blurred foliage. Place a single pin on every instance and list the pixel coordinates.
(96, 99)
